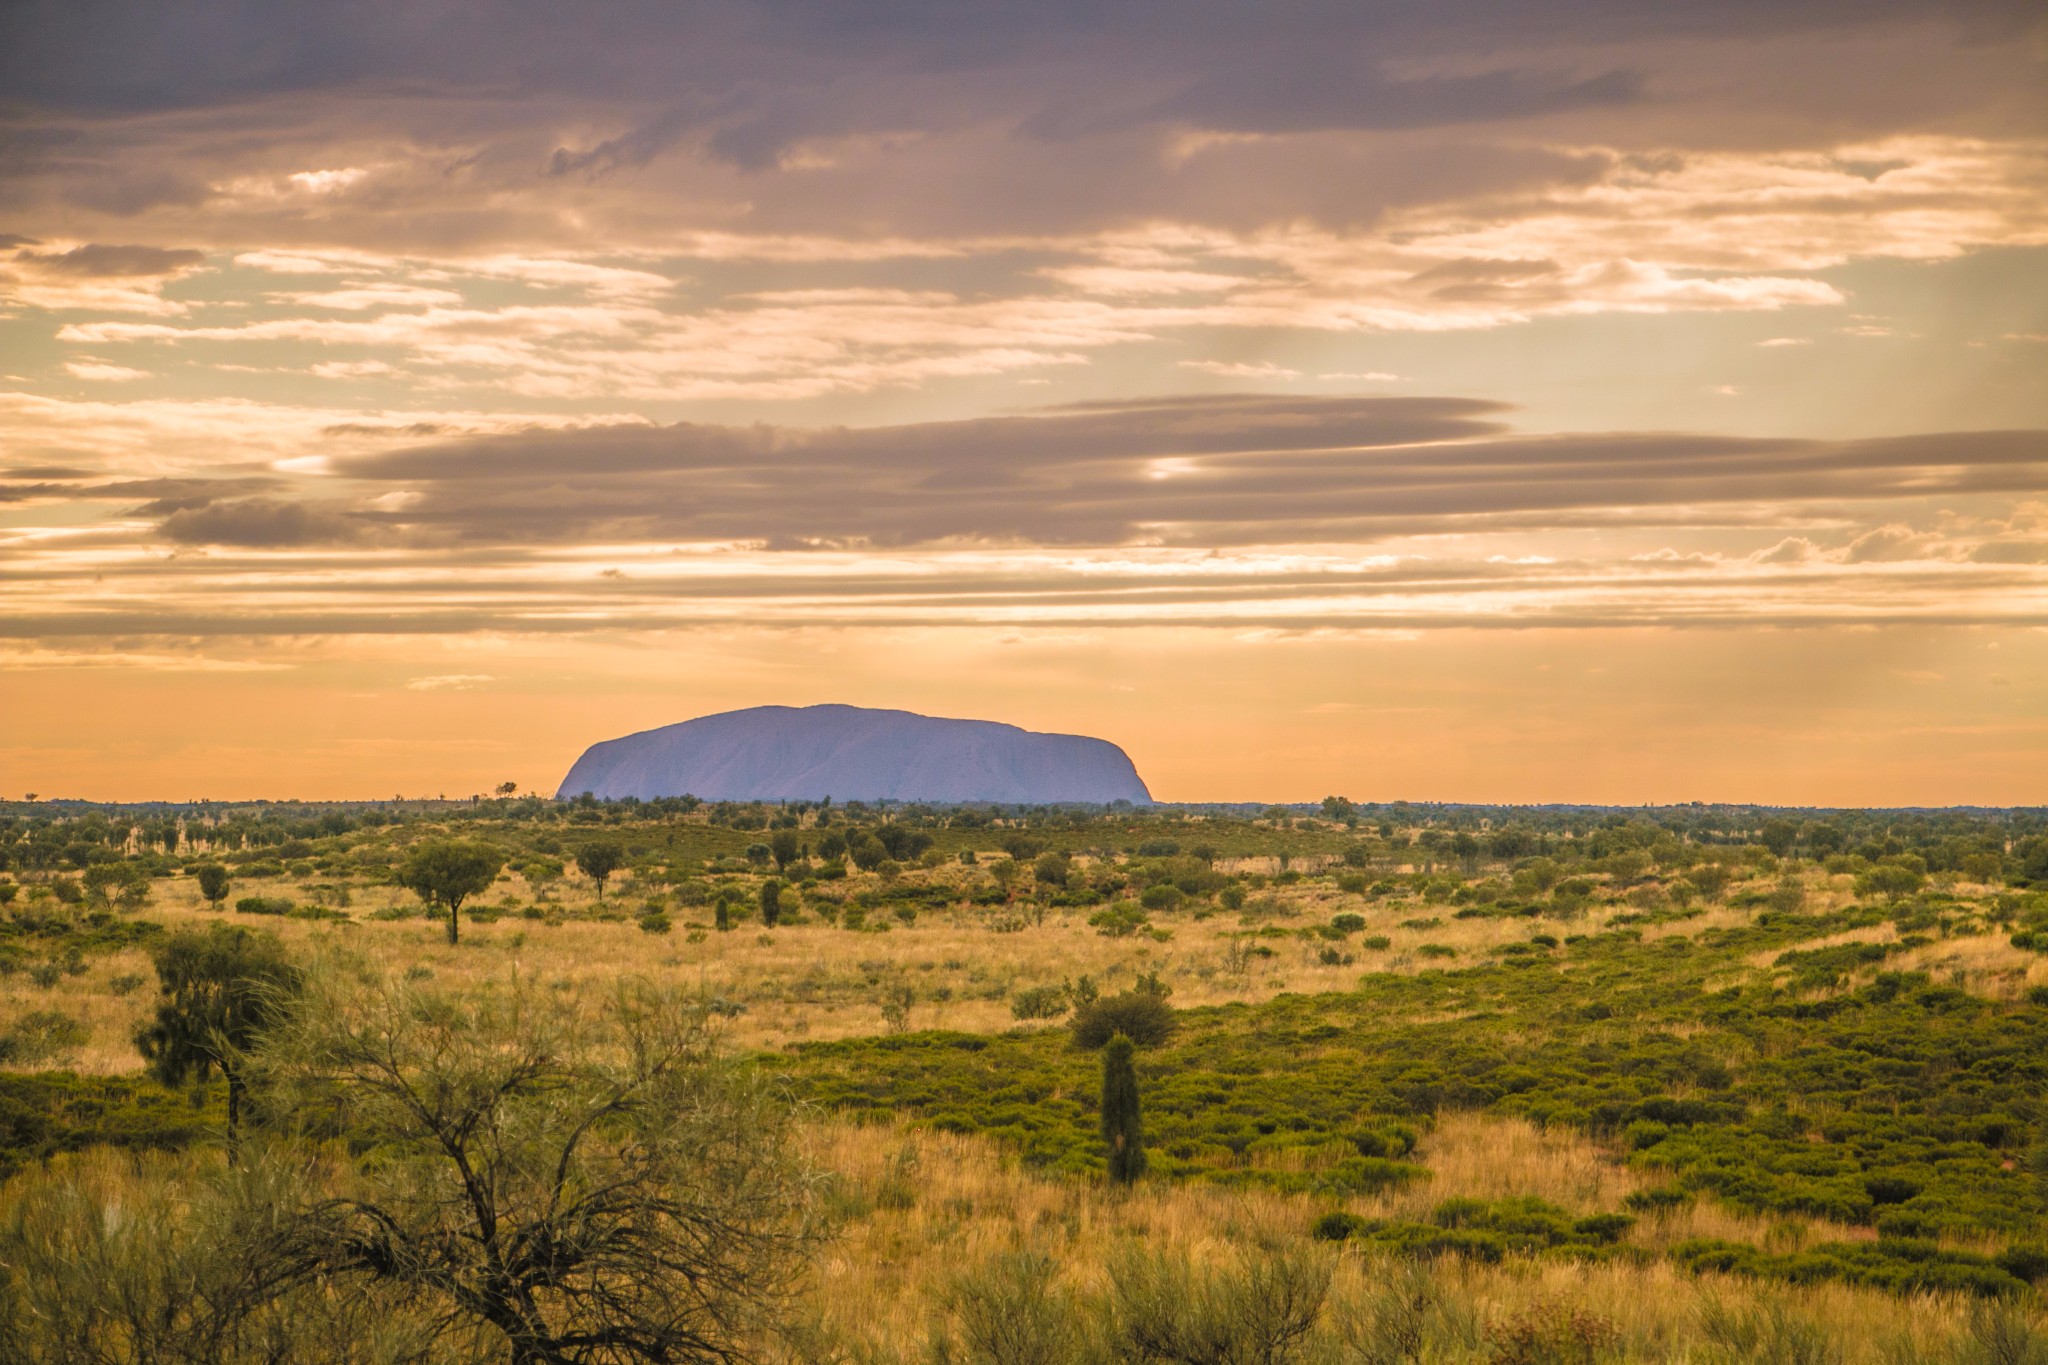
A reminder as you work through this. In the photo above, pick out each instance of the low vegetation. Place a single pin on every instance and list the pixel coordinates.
(588, 1081)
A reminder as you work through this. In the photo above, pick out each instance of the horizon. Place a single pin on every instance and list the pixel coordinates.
(1591, 405)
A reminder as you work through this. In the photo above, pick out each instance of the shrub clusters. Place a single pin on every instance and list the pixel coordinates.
(1897, 1264)
(1483, 1231)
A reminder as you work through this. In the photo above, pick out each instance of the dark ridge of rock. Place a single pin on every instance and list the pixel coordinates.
(851, 753)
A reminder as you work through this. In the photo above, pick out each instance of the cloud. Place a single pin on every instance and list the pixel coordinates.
(85, 368)
(97, 261)
(1239, 369)
(449, 682)
(2011, 552)
(253, 523)
(1886, 544)
(1790, 550)
(1209, 470)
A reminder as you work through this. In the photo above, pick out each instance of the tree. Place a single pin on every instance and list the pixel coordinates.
(866, 851)
(1142, 1016)
(786, 848)
(448, 872)
(771, 903)
(1891, 881)
(213, 883)
(507, 788)
(222, 988)
(104, 882)
(599, 859)
(1778, 836)
(1121, 1130)
(581, 1184)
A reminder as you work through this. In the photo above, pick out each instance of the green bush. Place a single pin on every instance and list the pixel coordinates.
(1039, 1002)
(1162, 896)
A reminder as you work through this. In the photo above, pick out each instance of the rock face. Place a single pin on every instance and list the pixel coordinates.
(851, 753)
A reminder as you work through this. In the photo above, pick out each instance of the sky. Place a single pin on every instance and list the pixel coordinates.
(1592, 400)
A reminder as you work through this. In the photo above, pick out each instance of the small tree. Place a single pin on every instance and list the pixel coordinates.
(448, 872)
(213, 883)
(1140, 1016)
(599, 859)
(577, 1184)
(786, 848)
(1121, 1129)
(771, 903)
(1892, 881)
(1052, 869)
(106, 882)
(222, 988)
(866, 851)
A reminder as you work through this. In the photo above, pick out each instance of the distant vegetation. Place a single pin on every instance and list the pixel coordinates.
(1330, 1082)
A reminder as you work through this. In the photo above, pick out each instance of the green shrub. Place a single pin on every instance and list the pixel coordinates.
(41, 1035)
(1039, 1002)
(1120, 920)
(1161, 896)
(263, 905)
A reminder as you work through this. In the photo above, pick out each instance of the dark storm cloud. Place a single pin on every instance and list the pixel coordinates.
(95, 260)
(1222, 471)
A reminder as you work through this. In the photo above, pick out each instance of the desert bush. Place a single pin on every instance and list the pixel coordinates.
(1405, 1317)
(1763, 1332)
(1012, 1311)
(1552, 1334)
(1262, 1310)
(191, 1272)
(41, 1035)
(1039, 1002)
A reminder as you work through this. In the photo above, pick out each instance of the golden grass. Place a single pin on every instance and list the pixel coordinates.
(812, 980)
(932, 1205)
(1986, 965)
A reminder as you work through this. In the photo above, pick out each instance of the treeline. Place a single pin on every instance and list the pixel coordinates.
(49, 841)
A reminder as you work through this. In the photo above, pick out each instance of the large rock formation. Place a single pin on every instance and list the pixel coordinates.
(852, 753)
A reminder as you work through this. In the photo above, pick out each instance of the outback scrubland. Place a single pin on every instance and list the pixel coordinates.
(536, 1080)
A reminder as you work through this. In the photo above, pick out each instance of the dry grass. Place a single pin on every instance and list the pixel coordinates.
(1986, 965)
(929, 1206)
(812, 980)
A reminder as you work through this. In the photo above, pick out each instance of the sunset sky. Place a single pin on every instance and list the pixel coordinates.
(1599, 400)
